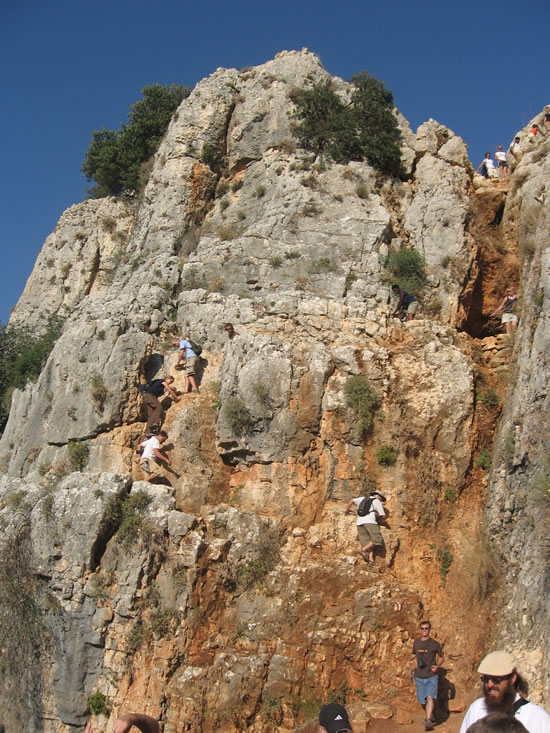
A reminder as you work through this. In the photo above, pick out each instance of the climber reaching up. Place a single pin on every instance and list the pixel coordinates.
(407, 303)
(153, 461)
(187, 360)
(151, 393)
(370, 513)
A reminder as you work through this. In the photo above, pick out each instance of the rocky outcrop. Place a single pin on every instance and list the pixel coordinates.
(239, 581)
(518, 508)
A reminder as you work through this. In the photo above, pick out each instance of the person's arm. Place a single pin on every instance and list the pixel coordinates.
(350, 504)
(181, 359)
(437, 665)
(161, 456)
(171, 392)
(145, 723)
(499, 309)
(399, 305)
(380, 513)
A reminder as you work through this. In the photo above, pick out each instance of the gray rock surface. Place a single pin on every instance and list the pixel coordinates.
(221, 593)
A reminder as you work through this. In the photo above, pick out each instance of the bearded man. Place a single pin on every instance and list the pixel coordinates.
(504, 691)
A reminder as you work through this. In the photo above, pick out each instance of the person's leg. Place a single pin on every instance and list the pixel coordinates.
(154, 409)
(190, 374)
(429, 707)
(375, 539)
(369, 550)
(411, 310)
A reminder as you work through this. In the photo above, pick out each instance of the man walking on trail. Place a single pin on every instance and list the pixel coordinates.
(151, 394)
(188, 361)
(152, 459)
(426, 668)
(407, 303)
(504, 691)
(369, 513)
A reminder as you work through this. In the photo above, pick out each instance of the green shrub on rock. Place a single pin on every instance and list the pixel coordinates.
(363, 129)
(362, 400)
(386, 455)
(79, 454)
(23, 354)
(114, 158)
(407, 269)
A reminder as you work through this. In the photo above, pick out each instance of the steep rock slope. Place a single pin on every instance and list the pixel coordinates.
(238, 600)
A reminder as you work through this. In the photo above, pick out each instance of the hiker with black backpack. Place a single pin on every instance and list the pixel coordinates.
(188, 359)
(370, 514)
(151, 393)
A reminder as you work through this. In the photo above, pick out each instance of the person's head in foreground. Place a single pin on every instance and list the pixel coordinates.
(497, 723)
(333, 718)
(500, 682)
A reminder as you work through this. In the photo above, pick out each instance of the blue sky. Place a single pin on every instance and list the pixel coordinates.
(68, 68)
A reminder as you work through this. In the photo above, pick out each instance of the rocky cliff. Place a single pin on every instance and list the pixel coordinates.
(234, 597)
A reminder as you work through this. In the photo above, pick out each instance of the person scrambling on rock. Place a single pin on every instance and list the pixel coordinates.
(153, 459)
(230, 331)
(187, 360)
(151, 393)
(535, 134)
(370, 513)
(507, 306)
(407, 303)
(515, 150)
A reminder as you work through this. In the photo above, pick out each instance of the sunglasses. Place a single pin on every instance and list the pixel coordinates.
(495, 679)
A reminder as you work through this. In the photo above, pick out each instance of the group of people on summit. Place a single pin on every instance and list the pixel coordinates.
(499, 167)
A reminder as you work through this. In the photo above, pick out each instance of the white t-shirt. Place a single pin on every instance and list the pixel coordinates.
(500, 155)
(376, 509)
(533, 717)
(149, 447)
(489, 163)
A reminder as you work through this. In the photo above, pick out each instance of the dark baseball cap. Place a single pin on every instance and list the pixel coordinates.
(334, 718)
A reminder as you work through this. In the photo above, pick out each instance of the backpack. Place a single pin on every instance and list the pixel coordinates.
(197, 348)
(365, 506)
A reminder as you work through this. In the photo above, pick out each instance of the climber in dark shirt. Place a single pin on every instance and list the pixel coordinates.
(407, 303)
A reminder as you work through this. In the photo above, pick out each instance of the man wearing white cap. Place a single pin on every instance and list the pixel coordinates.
(503, 690)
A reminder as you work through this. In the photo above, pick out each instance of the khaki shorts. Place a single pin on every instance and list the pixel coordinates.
(190, 365)
(509, 318)
(149, 466)
(413, 307)
(369, 533)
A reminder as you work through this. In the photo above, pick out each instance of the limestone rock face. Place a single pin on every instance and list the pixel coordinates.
(238, 578)
(520, 480)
